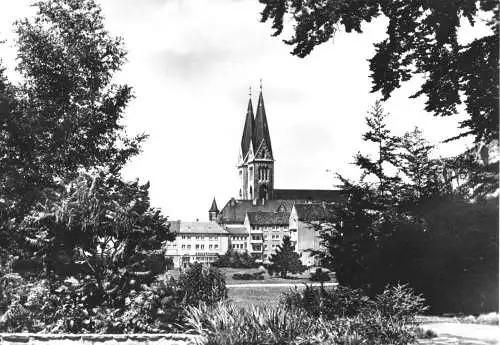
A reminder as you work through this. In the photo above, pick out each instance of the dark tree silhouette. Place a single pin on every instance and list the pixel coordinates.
(421, 38)
(285, 260)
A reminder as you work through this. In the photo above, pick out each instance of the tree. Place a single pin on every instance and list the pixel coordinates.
(421, 39)
(285, 260)
(64, 116)
(96, 239)
(417, 231)
(386, 144)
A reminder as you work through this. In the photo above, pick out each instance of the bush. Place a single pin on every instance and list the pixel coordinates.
(394, 302)
(235, 259)
(249, 276)
(202, 284)
(320, 276)
(56, 306)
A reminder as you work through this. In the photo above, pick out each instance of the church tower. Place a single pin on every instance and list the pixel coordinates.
(256, 162)
(246, 151)
(213, 212)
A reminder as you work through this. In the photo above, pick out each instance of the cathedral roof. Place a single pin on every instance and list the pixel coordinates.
(315, 212)
(313, 195)
(268, 218)
(213, 208)
(235, 210)
(261, 128)
(248, 130)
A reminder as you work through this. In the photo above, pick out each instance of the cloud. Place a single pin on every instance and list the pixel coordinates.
(196, 64)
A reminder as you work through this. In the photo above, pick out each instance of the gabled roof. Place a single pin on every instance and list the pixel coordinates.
(235, 210)
(268, 218)
(248, 130)
(261, 128)
(310, 195)
(214, 208)
(241, 230)
(315, 212)
(196, 228)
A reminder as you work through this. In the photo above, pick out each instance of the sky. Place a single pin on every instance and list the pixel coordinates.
(191, 63)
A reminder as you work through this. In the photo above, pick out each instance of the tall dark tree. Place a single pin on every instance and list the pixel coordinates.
(64, 116)
(421, 39)
(386, 145)
(285, 260)
(417, 231)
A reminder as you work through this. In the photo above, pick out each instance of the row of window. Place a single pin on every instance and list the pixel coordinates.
(210, 238)
(239, 245)
(238, 238)
(200, 246)
(270, 227)
(205, 258)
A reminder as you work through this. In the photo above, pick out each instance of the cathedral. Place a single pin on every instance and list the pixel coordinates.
(261, 214)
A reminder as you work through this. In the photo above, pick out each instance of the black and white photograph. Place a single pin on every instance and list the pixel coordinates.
(249, 172)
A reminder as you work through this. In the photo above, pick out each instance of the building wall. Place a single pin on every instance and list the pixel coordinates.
(238, 242)
(307, 239)
(190, 247)
(273, 238)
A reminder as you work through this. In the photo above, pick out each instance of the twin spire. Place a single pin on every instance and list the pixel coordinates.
(256, 130)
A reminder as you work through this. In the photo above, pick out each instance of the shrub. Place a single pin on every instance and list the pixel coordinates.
(249, 276)
(398, 302)
(202, 284)
(235, 259)
(320, 276)
(56, 306)
(340, 301)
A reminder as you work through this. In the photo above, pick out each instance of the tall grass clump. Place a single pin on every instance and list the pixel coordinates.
(304, 318)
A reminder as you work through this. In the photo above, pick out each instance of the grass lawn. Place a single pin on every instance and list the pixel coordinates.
(295, 279)
(257, 296)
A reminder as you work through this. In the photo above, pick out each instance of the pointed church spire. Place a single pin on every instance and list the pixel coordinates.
(261, 128)
(213, 208)
(246, 139)
(213, 213)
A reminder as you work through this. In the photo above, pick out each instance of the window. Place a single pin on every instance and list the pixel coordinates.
(188, 246)
(216, 246)
(265, 246)
(202, 246)
(234, 246)
(183, 246)
(210, 246)
(197, 246)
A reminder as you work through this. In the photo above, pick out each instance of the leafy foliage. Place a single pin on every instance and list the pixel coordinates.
(320, 276)
(408, 225)
(64, 115)
(285, 260)
(52, 305)
(203, 284)
(235, 259)
(421, 38)
(227, 324)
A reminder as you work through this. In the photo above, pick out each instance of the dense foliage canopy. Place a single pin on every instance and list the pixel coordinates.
(406, 220)
(422, 38)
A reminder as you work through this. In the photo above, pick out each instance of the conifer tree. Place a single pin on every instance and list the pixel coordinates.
(285, 260)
